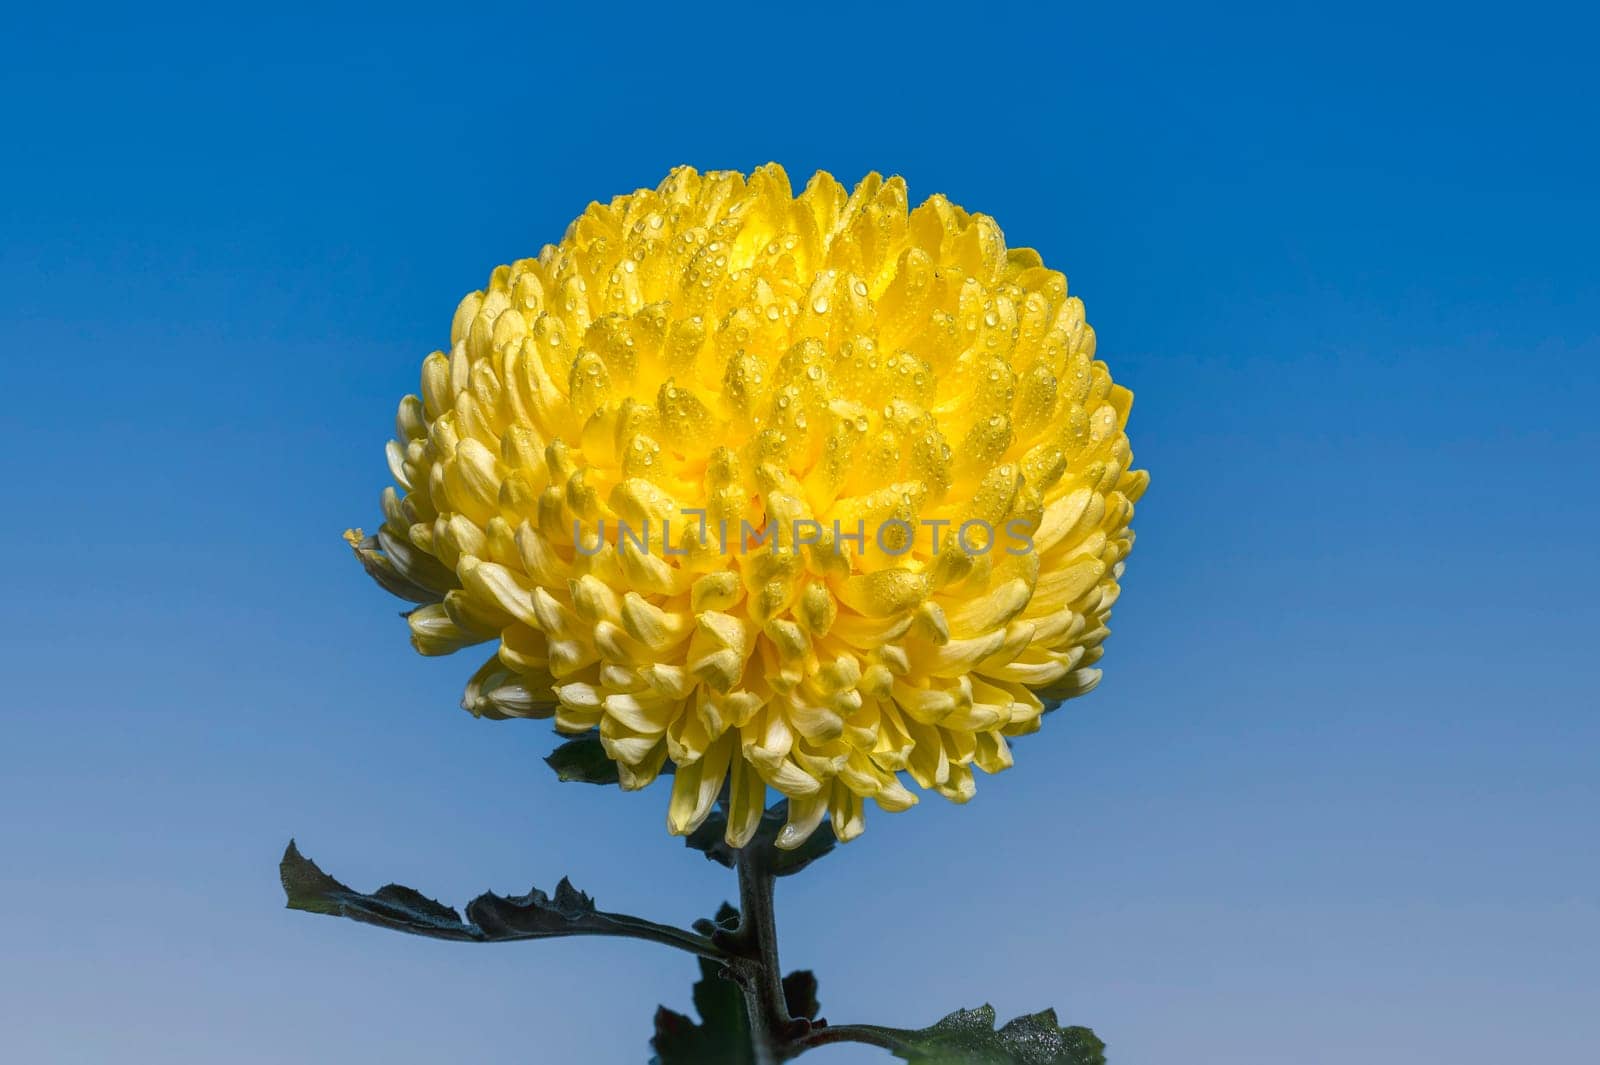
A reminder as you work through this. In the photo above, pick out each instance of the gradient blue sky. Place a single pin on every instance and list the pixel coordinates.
(1336, 799)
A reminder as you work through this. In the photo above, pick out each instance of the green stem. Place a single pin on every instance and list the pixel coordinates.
(847, 1033)
(772, 1030)
(750, 958)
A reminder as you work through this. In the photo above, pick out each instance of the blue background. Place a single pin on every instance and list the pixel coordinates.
(1336, 799)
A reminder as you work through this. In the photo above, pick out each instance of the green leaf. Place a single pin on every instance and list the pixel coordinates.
(800, 994)
(726, 920)
(722, 1037)
(968, 1037)
(391, 906)
(583, 760)
(490, 918)
(708, 839)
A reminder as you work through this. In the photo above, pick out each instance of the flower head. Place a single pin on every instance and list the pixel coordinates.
(882, 483)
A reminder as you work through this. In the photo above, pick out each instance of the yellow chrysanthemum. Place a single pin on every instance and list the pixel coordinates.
(843, 383)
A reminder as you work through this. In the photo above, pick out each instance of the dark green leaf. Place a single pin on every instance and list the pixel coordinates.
(722, 1036)
(800, 994)
(968, 1037)
(392, 906)
(708, 839)
(583, 760)
(491, 918)
(727, 920)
